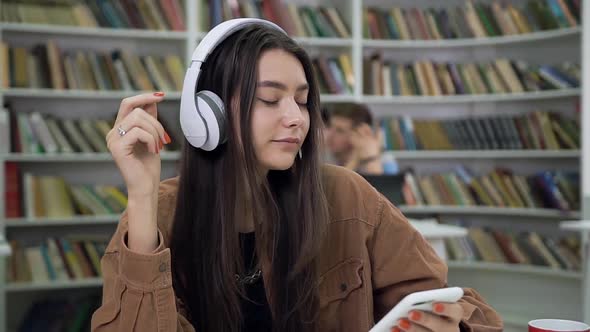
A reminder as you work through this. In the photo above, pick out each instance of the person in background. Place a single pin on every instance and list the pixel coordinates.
(351, 140)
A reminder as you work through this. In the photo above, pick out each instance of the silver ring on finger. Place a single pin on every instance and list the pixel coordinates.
(122, 131)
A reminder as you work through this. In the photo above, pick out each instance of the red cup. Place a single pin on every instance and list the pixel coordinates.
(557, 325)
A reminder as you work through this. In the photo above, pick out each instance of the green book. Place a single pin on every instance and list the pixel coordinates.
(486, 81)
(491, 32)
(543, 15)
(412, 81)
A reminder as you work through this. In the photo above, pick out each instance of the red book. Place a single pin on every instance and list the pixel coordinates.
(269, 8)
(173, 14)
(12, 193)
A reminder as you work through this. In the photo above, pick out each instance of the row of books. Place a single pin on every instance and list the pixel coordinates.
(297, 20)
(499, 188)
(532, 131)
(37, 133)
(49, 196)
(72, 314)
(119, 14)
(529, 248)
(428, 78)
(334, 74)
(473, 20)
(46, 66)
(56, 259)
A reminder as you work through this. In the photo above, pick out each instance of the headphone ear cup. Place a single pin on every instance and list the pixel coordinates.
(212, 110)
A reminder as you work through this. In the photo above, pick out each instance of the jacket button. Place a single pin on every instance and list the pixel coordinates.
(343, 287)
(163, 267)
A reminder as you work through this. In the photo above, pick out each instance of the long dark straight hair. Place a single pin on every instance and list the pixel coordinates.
(220, 187)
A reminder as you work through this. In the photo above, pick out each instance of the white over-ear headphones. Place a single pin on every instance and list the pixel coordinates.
(202, 113)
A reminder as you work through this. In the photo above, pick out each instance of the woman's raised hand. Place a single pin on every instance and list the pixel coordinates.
(135, 143)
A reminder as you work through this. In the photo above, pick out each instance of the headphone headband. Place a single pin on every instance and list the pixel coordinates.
(202, 125)
(220, 32)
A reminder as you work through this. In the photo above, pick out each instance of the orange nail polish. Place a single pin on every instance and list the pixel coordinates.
(159, 94)
(415, 315)
(395, 329)
(439, 308)
(167, 138)
(404, 324)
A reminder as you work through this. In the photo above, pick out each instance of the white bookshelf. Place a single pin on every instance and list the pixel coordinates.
(47, 29)
(75, 157)
(514, 268)
(473, 42)
(53, 285)
(482, 98)
(519, 46)
(78, 94)
(540, 214)
(78, 221)
(486, 154)
(327, 42)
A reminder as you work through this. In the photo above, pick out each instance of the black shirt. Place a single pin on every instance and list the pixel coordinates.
(255, 309)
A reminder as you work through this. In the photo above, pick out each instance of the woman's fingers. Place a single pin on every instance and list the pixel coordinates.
(148, 100)
(135, 135)
(452, 311)
(139, 119)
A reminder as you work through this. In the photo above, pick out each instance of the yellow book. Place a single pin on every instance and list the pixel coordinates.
(501, 187)
(116, 194)
(481, 193)
(176, 70)
(85, 71)
(84, 16)
(427, 187)
(296, 18)
(4, 65)
(492, 191)
(446, 79)
(58, 81)
(508, 75)
(71, 259)
(346, 65)
(57, 201)
(21, 72)
(519, 20)
(511, 186)
(421, 77)
(432, 78)
(473, 20)
(402, 25)
(403, 81)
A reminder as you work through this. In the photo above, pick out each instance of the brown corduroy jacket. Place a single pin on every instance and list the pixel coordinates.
(371, 259)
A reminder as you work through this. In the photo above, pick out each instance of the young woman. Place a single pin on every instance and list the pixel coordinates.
(256, 235)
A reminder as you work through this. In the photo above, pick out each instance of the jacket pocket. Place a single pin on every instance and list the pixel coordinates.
(341, 296)
(110, 309)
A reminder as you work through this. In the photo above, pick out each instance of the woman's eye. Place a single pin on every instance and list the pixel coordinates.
(302, 104)
(269, 102)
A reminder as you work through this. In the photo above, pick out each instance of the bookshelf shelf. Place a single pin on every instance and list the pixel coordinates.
(117, 95)
(53, 285)
(473, 42)
(49, 29)
(74, 221)
(336, 98)
(489, 211)
(78, 94)
(460, 99)
(486, 154)
(74, 157)
(336, 42)
(515, 268)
